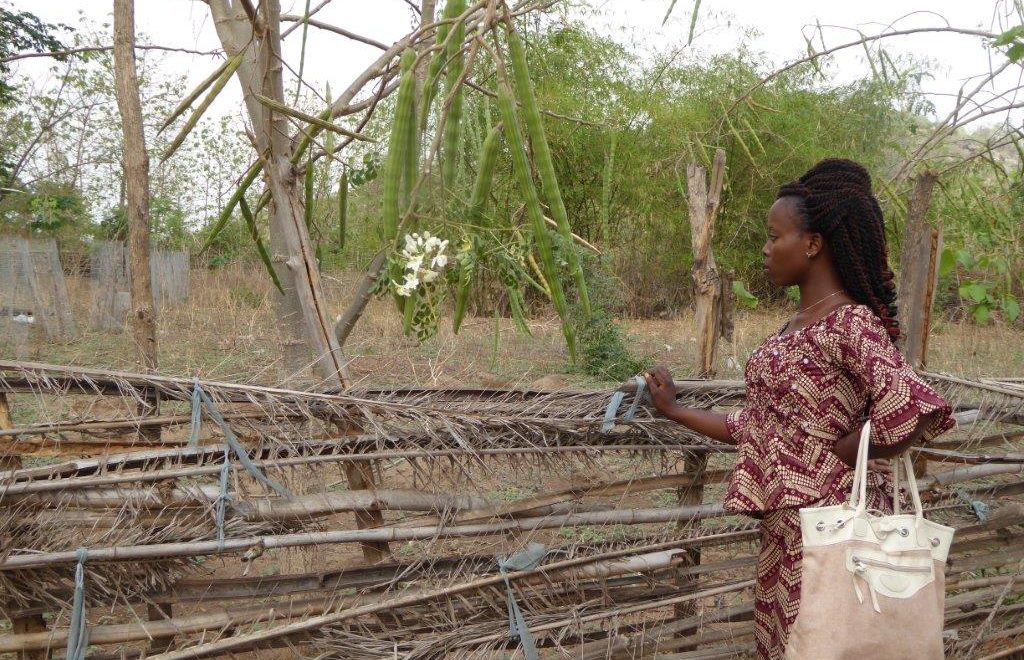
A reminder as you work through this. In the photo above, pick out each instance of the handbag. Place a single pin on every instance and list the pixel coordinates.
(872, 585)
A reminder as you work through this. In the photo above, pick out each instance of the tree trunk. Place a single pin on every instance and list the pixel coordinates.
(302, 310)
(136, 178)
(704, 196)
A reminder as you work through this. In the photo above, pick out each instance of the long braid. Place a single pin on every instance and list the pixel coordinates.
(835, 200)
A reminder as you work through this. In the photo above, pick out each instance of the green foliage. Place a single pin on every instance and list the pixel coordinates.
(604, 351)
(23, 31)
(744, 296)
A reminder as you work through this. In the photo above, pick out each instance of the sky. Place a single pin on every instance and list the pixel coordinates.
(780, 26)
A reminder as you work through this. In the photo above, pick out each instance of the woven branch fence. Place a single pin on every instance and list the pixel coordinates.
(376, 523)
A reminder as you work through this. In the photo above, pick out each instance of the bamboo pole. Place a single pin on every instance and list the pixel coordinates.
(259, 544)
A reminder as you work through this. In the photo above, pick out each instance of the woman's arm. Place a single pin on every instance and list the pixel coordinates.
(663, 396)
(846, 447)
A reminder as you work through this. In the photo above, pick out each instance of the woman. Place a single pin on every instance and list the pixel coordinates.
(810, 386)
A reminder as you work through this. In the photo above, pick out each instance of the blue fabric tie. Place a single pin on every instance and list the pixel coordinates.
(523, 560)
(979, 508)
(78, 631)
(613, 405)
(230, 439)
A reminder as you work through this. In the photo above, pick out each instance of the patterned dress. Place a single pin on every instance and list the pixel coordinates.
(805, 390)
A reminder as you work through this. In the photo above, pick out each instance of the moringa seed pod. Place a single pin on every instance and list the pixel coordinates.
(545, 164)
(521, 167)
(453, 125)
(395, 164)
(342, 208)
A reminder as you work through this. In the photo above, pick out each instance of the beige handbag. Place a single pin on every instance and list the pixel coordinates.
(872, 586)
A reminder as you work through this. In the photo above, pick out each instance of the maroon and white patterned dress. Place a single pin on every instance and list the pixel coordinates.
(805, 390)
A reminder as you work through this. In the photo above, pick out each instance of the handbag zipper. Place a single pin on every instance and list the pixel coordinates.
(895, 567)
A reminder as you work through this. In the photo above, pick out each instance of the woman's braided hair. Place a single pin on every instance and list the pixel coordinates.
(834, 199)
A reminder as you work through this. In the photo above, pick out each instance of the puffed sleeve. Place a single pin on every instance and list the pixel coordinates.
(898, 397)
(735, 422)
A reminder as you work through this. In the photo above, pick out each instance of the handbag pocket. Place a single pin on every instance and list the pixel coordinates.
(894, 576)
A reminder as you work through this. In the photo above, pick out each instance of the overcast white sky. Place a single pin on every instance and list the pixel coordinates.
(330, 58)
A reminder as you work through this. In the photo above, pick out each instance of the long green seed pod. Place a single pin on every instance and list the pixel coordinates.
(229, 208)
(394, 165)
(434, 69)
(261, 249)
(545, 164)
(308, 195)
(412, 155)
(484, 176)
(466, 272)
(606, 189)
(453, 124)
(342, 208)
(215, 89)
(521, 166)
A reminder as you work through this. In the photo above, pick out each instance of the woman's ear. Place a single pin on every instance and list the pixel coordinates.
(815, 245)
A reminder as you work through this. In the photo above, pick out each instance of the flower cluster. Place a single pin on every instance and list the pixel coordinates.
(424, 259)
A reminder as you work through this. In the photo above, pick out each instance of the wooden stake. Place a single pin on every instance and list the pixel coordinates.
(704, 198)
(919, 274)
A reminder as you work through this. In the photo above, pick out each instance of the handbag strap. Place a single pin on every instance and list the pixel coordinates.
(859, 491)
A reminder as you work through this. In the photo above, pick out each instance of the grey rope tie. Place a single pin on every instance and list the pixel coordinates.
(517, 629)
(613, 405)
(78, 631)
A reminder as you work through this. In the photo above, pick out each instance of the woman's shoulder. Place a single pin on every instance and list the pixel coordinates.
(847, 327)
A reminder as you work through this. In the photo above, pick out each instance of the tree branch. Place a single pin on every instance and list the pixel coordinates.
(98, 49)
(335, 29)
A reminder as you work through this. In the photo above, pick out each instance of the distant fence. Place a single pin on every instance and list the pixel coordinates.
(111, 279)
(32, 289)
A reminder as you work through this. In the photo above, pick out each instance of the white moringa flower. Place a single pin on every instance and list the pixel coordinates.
(429, 276)
(440, 261)
(415, 263)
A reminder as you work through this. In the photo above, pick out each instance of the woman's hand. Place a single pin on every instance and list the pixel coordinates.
(879, 465)
(662, 388)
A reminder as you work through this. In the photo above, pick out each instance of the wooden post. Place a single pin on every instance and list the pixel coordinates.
(12, 461)
(360, 476)
(918, 281)
(704, 197)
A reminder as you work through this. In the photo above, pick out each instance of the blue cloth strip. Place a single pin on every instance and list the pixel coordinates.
(611, 410)
(197, 409)
(223, 498)
(979, 508)
(613, 405)
(233, 444)
(641, 392)
(78, 631)
(517, 628)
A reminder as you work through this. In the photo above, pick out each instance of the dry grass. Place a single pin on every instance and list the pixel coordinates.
(227, 331)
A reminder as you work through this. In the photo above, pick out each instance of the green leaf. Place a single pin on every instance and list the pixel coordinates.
(964, 258)
(947, 262)
(1016, 52)
(981, 313)
(975, 291)
(746, 298)
(1008, 37)
(1011, 308)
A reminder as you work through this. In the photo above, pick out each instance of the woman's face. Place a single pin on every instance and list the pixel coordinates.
(787, 244)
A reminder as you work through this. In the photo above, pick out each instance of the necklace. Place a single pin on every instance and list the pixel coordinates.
(834, 293)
